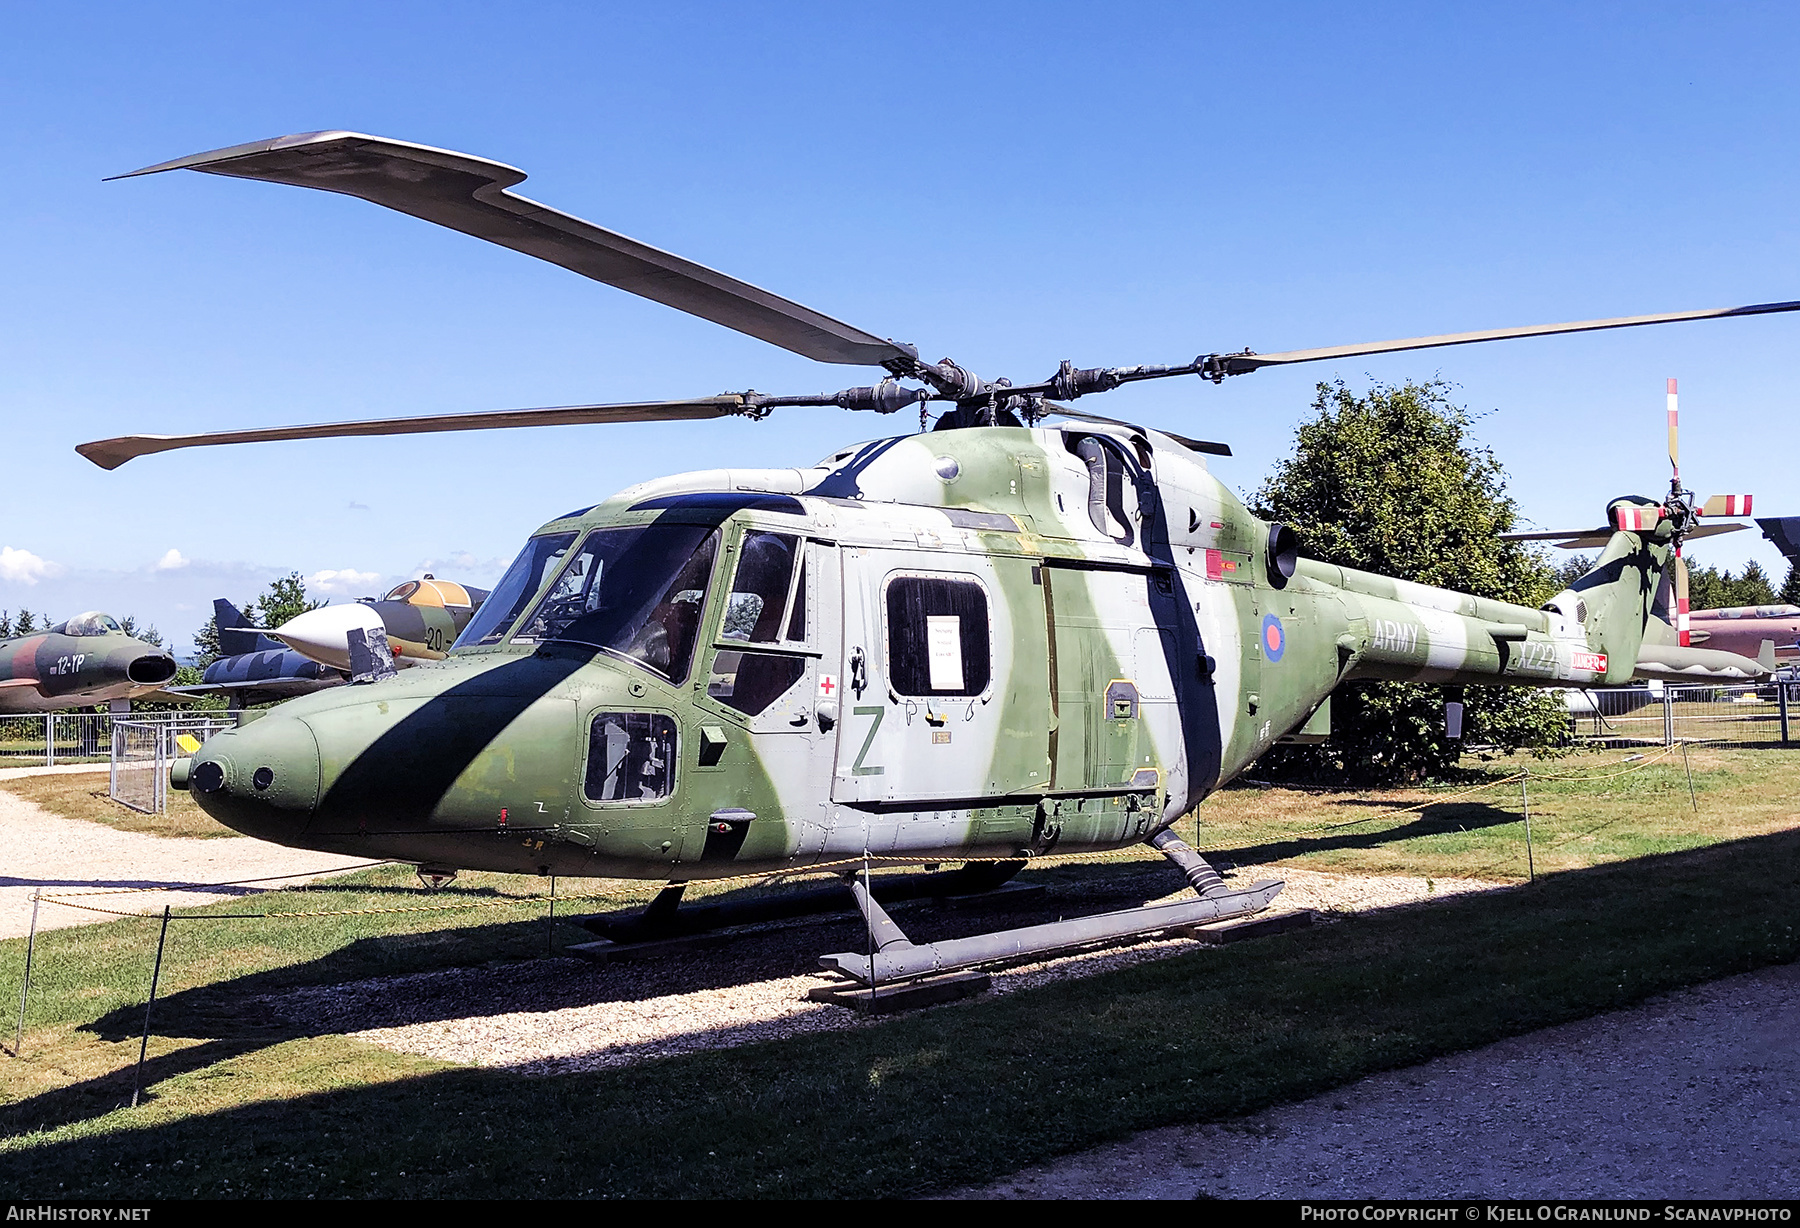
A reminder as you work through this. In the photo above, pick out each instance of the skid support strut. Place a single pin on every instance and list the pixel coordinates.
(896, 958)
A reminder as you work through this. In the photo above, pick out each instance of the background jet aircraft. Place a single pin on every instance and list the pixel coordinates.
(258, 669)
(1744, 629)
(422, 618)
(87, 660)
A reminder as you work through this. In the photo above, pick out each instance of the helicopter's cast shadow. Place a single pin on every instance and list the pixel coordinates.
(434, 980)
(1435, 820)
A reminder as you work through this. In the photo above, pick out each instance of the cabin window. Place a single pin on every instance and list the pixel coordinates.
(938, 636)
(631, 757)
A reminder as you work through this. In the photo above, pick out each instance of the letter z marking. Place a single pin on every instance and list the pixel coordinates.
(857, 768)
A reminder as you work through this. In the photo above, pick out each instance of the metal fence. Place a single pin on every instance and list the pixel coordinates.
(142, 750)
(1754, 714)
(45, 739)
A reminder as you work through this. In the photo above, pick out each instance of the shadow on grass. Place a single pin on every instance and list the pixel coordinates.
(396, 980)
(1433, 820)
(969, 1092)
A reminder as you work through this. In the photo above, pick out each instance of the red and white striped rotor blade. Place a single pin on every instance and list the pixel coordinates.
(1681, 599)
(1632, 519)
(1727, 505)
(1674, 449)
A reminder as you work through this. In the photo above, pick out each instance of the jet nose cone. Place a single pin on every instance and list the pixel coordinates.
(324, 634)
(261, 779)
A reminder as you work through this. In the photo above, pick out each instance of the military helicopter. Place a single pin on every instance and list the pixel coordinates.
(978, 643)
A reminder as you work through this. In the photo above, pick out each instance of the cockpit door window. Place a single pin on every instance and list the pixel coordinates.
(762, 591)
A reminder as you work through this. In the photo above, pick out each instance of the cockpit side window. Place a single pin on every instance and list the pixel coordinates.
(520, 583)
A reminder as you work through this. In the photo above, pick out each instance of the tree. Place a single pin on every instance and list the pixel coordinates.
(285, 599)
(148, 634)
(1565, 574)
(1712, 589)
(25, 623)
(1790, 587)
(1391, 482)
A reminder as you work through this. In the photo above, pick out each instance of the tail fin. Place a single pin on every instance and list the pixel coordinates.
(1615, 599)
(236, 634)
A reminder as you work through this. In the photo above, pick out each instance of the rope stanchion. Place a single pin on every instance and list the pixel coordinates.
(25, 982)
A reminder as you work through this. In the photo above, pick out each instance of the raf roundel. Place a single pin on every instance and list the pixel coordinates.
(1274, 638)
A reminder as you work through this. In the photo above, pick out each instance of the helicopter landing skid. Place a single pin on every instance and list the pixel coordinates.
(663, 920)
(896, 958)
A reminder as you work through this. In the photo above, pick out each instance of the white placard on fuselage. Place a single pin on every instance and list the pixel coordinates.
(943, 642)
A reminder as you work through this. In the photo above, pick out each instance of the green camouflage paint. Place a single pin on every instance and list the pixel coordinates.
(1140, 648)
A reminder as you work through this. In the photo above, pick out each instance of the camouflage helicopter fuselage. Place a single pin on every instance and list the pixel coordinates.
(968, 644)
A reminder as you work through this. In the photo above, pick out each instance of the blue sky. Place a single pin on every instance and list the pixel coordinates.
(1007, 184)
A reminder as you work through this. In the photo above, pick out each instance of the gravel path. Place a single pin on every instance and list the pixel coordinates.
(46, 852)
(1691, 1095)
(549, 1016)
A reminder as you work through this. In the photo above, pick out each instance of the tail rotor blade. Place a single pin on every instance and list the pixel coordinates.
(1681, 598)
(1727, 505)
(1674, 449)
(1631, 518)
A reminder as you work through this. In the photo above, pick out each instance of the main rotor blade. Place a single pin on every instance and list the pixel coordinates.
(469, 194)
(111, 453)
(1237, 364)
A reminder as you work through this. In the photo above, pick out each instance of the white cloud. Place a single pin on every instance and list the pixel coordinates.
(172, 561)
(463, 567)
(345, 583)
(24, 567)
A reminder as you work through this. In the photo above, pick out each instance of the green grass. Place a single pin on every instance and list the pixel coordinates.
(953, 1095)
(1585, 810)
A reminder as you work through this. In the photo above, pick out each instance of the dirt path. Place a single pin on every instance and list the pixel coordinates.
(40, 851)
(1696, 1094)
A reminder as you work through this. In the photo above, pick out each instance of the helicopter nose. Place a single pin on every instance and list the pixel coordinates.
(324, 634)
(261, 779)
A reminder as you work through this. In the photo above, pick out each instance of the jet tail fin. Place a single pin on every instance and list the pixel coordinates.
(236, 635)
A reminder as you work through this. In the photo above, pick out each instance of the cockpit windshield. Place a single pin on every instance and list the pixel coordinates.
(93, 623)
(520, 583)
(634, 591)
